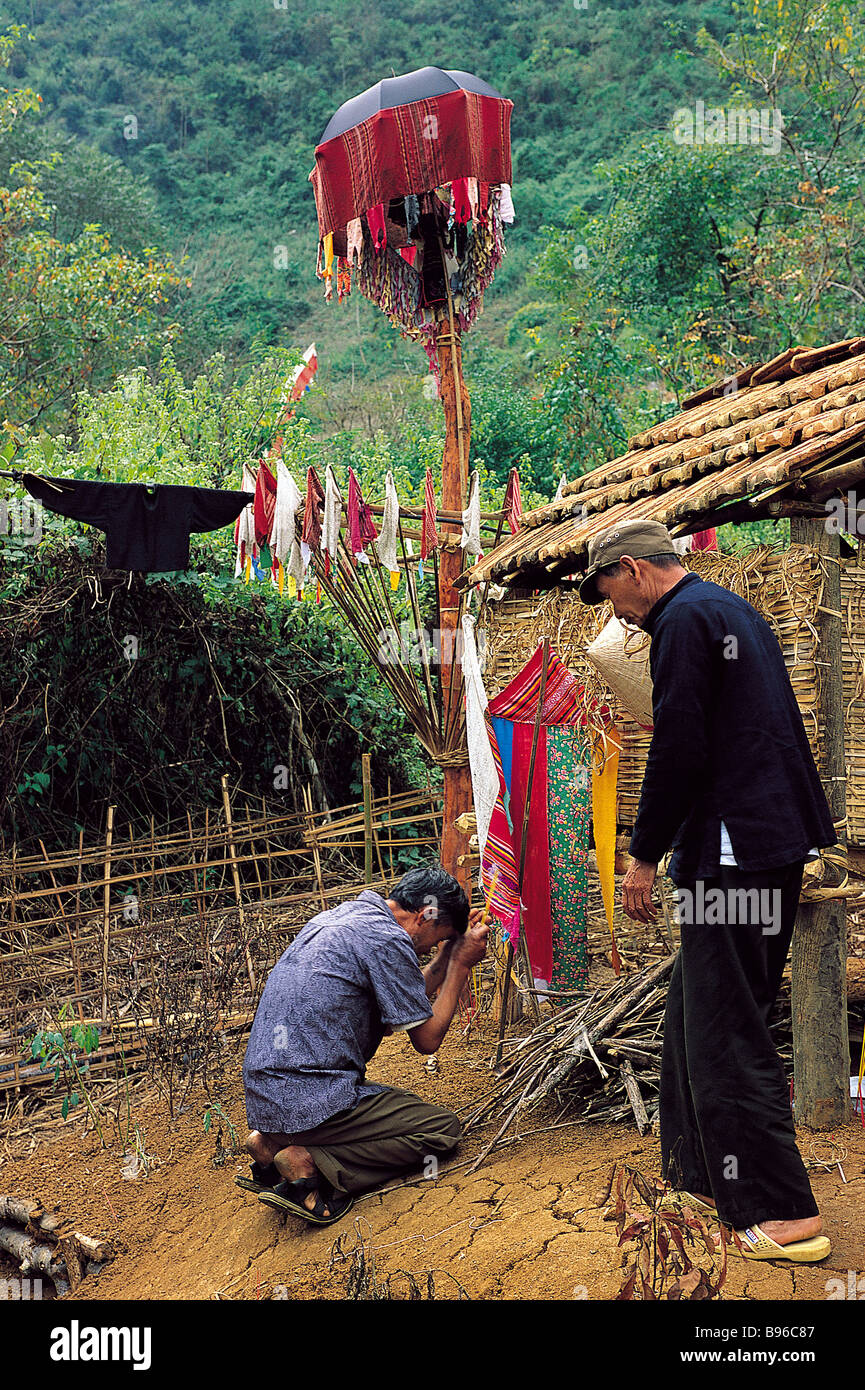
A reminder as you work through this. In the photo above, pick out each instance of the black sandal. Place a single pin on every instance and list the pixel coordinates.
(288, 1196)
(264, 1178)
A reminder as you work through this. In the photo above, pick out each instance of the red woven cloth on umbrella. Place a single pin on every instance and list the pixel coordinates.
(411, 148)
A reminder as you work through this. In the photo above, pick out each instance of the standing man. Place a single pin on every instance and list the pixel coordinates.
(731, 786)
(320, 1131)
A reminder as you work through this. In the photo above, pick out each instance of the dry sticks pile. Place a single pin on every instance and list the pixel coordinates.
(560, 1057)
(599, 1058)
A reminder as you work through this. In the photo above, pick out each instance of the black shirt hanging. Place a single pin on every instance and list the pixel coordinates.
(146, 526)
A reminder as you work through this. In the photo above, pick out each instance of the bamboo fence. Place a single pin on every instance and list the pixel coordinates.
(83, 927)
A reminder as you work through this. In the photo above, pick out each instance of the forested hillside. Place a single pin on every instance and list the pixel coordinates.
(214, 112)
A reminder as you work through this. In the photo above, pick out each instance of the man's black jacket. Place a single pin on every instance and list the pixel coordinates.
(728, 744)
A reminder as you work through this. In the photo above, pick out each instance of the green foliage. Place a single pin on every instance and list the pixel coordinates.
(63, 1051)
(697, 254)
(229, 104)
(73, 311)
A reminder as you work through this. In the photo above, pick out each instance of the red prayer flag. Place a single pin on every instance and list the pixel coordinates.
(265, 503)
(513, 504)
(311, 532)
(429, 537)
(361, 527)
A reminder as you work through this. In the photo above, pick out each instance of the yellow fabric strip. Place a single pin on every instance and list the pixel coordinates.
(604, 784)
(328, 254)
(281, 574)
(394, 579)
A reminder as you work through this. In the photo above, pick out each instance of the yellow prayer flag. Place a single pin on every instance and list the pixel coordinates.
(604, 783)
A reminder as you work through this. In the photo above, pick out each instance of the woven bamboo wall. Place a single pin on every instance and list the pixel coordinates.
(786, 588)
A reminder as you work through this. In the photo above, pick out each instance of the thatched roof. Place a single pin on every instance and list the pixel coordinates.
(776, 441)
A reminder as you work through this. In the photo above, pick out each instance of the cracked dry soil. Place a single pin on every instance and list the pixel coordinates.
(524, 1226)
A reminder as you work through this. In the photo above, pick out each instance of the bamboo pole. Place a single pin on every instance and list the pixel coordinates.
(106, 916)
(367, 820)
(316, 857)
(75, 963)
(457, 412)
(229, 830)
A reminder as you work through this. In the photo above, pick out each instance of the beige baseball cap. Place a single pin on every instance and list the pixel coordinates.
(636, 538)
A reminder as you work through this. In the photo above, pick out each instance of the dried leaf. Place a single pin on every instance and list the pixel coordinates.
(626, 1292)
(644, 1189)
(635, 1228)
(648, 1292)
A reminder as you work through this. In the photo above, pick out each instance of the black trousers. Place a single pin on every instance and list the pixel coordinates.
(726, 1124)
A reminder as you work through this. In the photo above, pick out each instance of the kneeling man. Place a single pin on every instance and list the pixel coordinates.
(320, 1131)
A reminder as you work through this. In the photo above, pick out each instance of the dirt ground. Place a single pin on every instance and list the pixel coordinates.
(526, 1225)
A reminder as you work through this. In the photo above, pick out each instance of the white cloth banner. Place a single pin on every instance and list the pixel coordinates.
(332, 517)
(246, 529)
(389, 526)
(471, 536)
(485, 778)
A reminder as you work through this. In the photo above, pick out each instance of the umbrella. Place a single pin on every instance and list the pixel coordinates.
(407, 135)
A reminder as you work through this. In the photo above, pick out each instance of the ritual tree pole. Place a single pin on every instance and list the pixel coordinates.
(821, 1048)
(455, 474)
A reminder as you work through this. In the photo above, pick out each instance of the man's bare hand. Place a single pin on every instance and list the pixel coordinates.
(637, 891)
(472, 947)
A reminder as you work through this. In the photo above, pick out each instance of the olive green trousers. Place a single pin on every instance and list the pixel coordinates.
(385, 1134)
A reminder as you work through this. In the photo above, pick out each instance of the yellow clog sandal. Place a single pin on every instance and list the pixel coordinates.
(687, 1199)
(756, 1245)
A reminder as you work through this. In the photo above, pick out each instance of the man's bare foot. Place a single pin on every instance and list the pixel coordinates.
(786, 1232)
(294, 1162)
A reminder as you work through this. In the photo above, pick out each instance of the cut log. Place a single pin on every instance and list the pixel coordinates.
(28, 1212)
(34, 1258)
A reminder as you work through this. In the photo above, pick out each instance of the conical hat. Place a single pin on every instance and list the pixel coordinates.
(621, 655)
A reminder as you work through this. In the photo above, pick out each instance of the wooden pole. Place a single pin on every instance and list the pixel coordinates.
(457, 411)
(821, 1047)
(367, 819)
(236, 877)
(106, 909)
(316, 857)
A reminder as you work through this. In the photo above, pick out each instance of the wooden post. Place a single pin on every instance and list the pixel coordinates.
(821, 1048)
(106, 909)
(236, 877)
(457, 411)
(316, 857)
(73, 957)
(367, 820)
